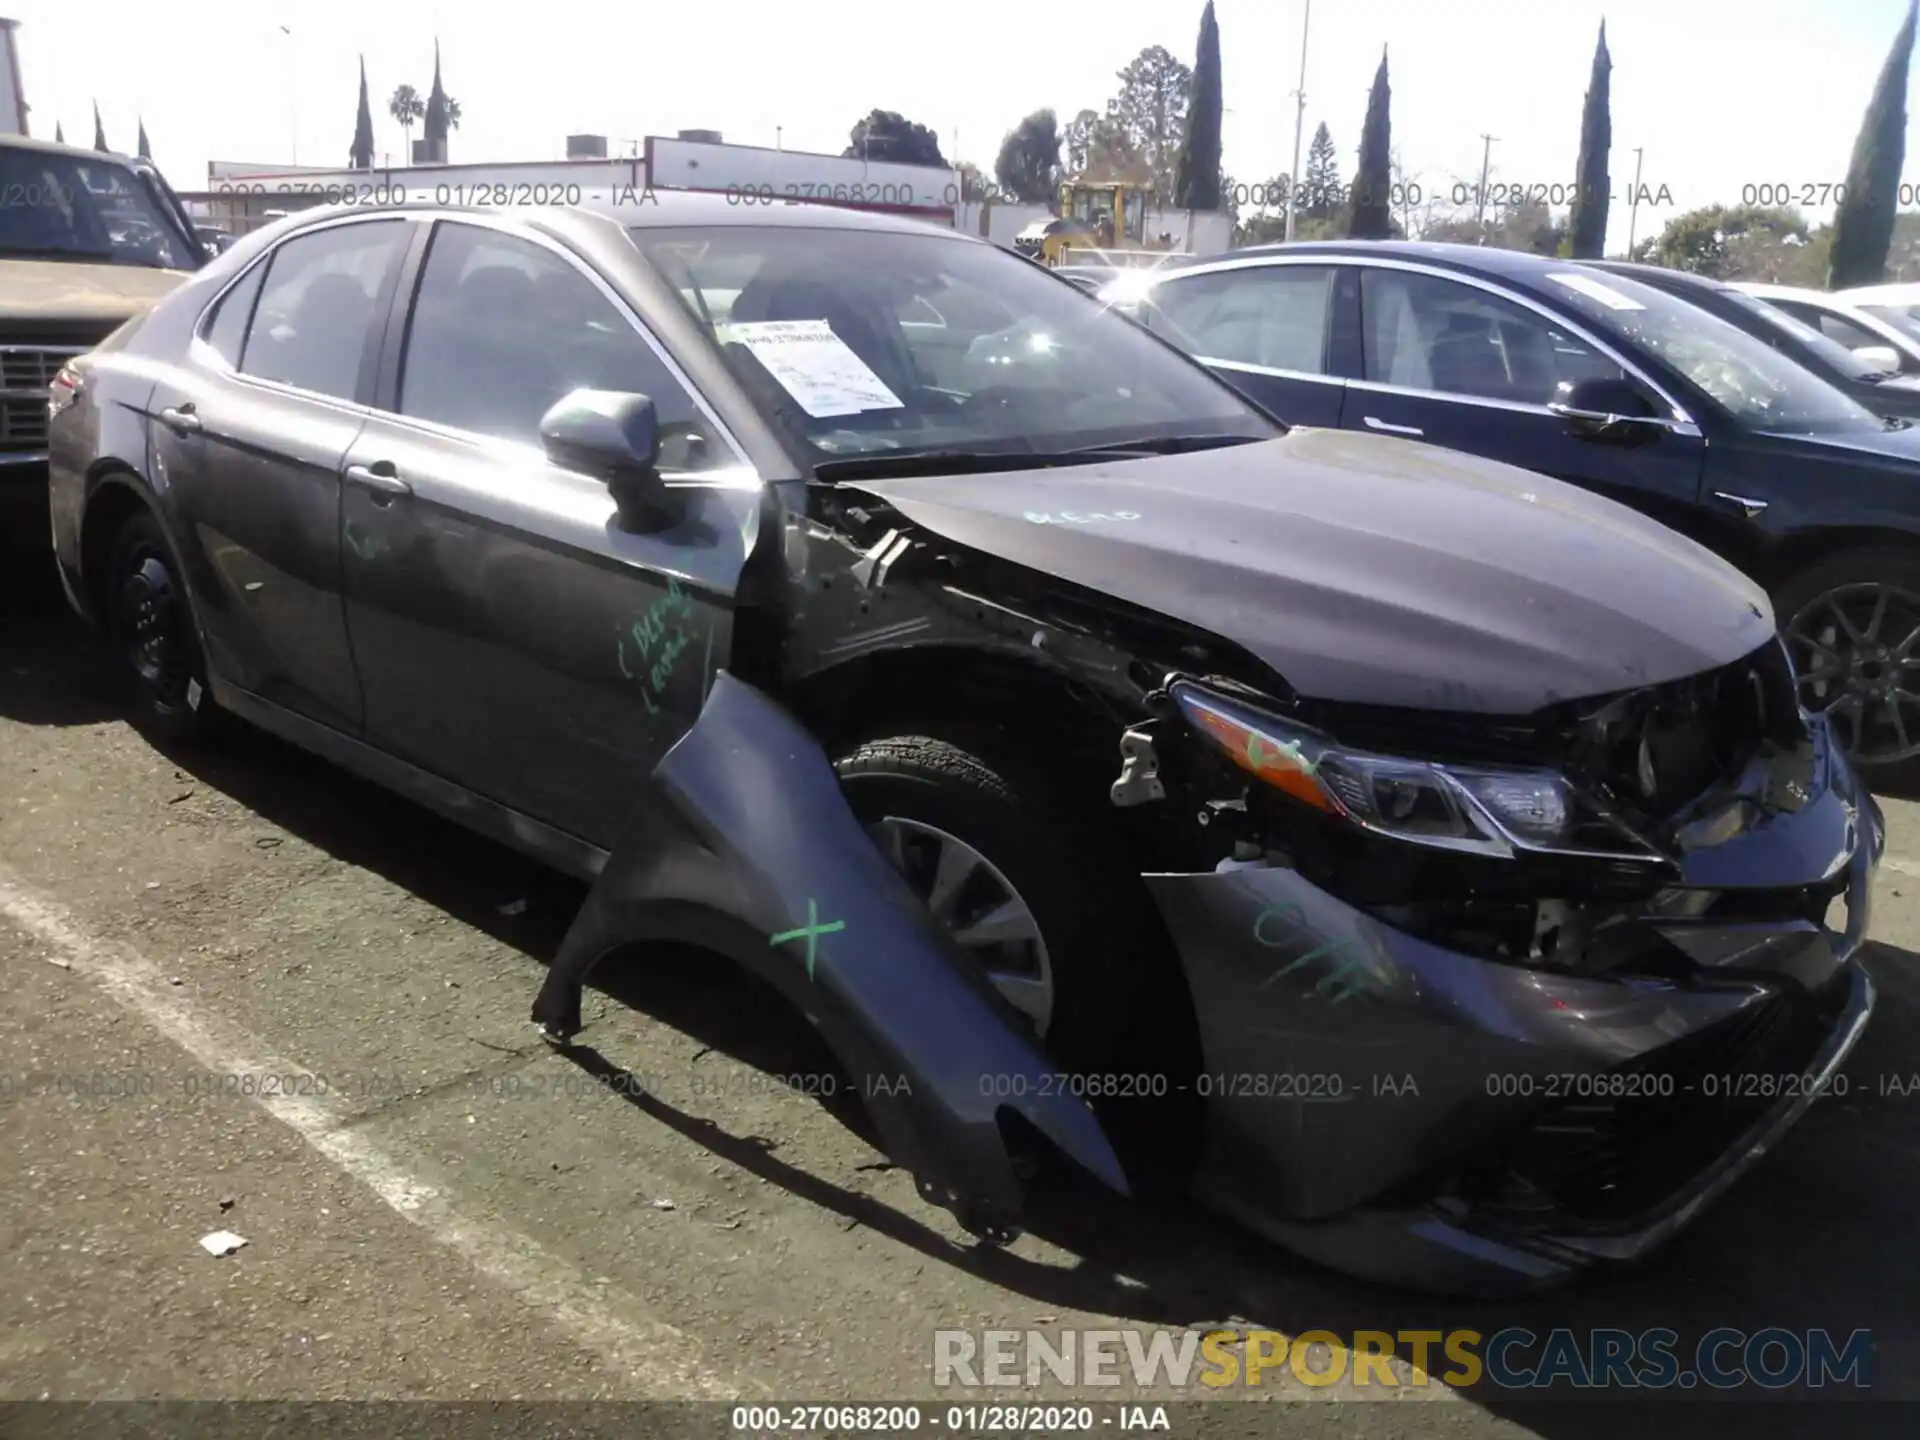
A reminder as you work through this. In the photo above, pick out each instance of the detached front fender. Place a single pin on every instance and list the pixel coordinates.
(745, 845)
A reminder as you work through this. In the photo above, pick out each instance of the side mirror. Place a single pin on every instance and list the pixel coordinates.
(1880, 357)
(614, 436)
(1603, 407)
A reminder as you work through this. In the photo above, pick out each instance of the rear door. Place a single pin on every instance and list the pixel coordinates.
(1459, 365)
(250, 436)
(511, 636)
(1266, 329)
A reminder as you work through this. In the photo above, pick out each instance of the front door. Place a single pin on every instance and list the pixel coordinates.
(249, 438)
(511, 636)
(1264, 329)
(1455, 365)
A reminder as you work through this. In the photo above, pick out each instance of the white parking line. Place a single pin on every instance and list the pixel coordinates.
(664, 1363)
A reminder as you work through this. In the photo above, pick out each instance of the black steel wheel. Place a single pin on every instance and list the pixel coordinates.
(1852, 626)
(150, 627)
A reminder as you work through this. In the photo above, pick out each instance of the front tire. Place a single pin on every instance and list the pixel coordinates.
(1053, 914)
(150, 627)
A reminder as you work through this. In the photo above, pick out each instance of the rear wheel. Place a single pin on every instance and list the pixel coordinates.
(1047, 909)
(150, 628)
(1852, 625)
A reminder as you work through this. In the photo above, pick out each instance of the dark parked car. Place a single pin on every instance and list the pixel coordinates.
(1883, 391)
(1017, 700)
(1613, 385)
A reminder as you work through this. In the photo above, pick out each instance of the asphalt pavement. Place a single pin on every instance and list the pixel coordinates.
(246, 993)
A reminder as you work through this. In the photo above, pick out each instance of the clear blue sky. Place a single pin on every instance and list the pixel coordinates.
(1720, 93)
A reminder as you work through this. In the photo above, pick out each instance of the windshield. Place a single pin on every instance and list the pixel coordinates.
(1754, 383)
(65, 207)
(1900, 317)
(883, 343)
(1828, 350)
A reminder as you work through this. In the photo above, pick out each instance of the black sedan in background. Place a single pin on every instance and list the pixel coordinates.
(1885, 392)
(1611, 384)
(849, 599)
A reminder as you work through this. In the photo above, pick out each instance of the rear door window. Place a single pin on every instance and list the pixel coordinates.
(322, 307)
(1275, 316)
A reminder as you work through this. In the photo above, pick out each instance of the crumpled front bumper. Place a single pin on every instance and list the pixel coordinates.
(1433, 1119)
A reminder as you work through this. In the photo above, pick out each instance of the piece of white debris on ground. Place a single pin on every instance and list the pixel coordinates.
(663, 1205)
(221, 1242)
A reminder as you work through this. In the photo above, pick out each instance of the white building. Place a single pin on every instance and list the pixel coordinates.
(242, 197)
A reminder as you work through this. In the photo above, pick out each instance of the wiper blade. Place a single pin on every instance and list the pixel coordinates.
(1898, 422)
(1166, 445)
(1876, 376)
(885, 465)
(51, 252)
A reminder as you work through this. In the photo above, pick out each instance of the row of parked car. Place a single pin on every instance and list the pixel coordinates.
(1023, 696)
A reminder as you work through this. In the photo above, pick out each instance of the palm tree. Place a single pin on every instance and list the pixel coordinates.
(406, 106)
(453, 113)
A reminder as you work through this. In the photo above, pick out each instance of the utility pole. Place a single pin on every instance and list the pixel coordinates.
(1299, 116)
(293, 97)
(1480, 211)
(1633, 206)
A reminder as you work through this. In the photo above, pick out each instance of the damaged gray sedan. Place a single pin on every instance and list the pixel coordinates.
(1424, 862)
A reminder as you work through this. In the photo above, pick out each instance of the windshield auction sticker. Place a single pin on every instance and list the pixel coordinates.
(814, 365)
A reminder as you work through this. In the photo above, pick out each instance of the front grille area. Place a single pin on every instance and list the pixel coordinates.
(26, 371)
(1606, 1159)
(23, 424)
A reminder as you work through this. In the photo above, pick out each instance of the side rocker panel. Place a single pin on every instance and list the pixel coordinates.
(744, 837)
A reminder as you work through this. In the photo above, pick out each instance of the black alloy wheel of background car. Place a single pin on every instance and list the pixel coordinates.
(1855, 644)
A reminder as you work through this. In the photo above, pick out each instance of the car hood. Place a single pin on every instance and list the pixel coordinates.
(1370, 569)
(69, 290)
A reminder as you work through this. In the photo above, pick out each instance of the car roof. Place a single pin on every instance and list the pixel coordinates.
(1659, 276)
(1895, 294)
(78, 152)
(1786, 292)
(1482, 259)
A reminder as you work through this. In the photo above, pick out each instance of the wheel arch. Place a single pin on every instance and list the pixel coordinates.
(1795, 553)
(114, 495)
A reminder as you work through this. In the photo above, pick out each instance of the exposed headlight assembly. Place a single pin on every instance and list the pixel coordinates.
(1475, 809)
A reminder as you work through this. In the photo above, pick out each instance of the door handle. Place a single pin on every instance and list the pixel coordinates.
(1752, 507)
(181, 419)
(380, 479)
(1373, 424)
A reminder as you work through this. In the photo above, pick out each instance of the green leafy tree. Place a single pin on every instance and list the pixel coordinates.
(1863, 221)
(360, 156)
(406, 106)
(888, 135)
(1098, 150)
(1028, 167)
(1321, 196)
(1196, 178)
(1151, 111)
(1373, 183)
(1722, 241)
(1589, 223)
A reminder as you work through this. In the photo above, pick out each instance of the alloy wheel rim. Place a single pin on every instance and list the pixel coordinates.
(1856, 649)
(978, 908)
(150, 627)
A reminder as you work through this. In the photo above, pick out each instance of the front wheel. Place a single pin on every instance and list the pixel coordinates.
(1052, 915)
(150, 627)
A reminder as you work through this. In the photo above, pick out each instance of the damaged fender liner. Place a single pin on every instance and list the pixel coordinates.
(744, 836)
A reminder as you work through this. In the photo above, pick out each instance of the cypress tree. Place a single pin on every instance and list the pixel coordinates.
(1588, 230)
(1863, 220)
(1196, 182)
(360, 157)
(99, 134)
(1373, 182)
(436, 123)
(145, 151)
